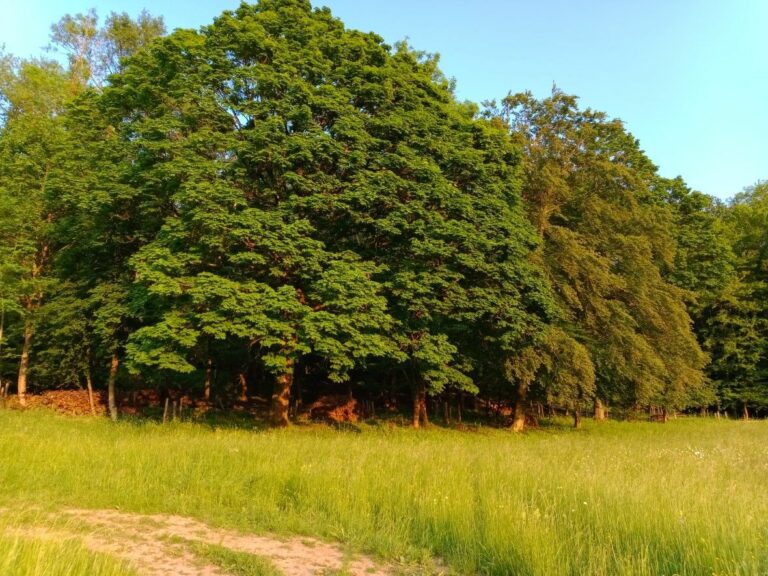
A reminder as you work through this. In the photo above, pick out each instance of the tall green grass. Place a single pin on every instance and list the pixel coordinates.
(30, 546)
(687, 497)
(29, 556)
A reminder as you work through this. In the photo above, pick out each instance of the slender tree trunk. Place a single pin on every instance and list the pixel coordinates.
(518, 411)
(32, 302)
(165, 409)
(89, 386)
(577, 418)
(208, 379)
(242, 380)
(21, 385)
(746, 412)
(281, 397)
(420, 417)
(111, 396)
(600, 415)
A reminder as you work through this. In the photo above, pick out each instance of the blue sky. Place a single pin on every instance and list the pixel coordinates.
(688, 77)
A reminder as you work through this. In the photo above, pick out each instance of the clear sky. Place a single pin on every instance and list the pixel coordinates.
(688, 77)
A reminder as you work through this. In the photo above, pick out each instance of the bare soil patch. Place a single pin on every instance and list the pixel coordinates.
(161, 545)
(155, 546)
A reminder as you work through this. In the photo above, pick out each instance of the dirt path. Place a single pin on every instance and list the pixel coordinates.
(158, 545)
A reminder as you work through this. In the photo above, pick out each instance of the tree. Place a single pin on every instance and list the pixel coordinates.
(606, 245)
(705, 266)
(737, 327)
(432, 195)
(34, 95)
(94, 226)
(99, 224)
(319, 196)
(229, 259)
(568, 375)
(96, 53)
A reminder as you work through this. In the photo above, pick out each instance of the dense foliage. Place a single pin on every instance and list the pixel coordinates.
(275, 204)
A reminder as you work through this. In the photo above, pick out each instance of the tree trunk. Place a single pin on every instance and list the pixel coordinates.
(111, 397)
(89, 386)
(420, 417)
(165, 409)
(21, 386)
(518, 412)
(281, 397)
(577, 418)
(242, 380)
(208, 379)
(746, 412)
(600, 415)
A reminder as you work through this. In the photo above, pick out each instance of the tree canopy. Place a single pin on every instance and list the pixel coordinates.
(279, 205)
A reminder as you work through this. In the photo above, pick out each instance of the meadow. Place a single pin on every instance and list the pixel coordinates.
(686, 497)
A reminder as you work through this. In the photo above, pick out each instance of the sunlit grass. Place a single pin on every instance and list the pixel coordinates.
(687, 497)
(234, 563)
(26, 551)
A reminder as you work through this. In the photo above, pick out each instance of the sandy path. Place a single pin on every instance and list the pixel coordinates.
(154, 546)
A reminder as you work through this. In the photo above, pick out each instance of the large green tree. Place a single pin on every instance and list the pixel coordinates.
(228, 259)
(738, 332)
(96, 230)
(318, 194)
(607, 244)
(94, 225)
(705, 266)
(34, 95)
(720, 260)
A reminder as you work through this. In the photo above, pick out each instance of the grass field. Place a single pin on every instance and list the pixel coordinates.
(30, 557)
(687, 497)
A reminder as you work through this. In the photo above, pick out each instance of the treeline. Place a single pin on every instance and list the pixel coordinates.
(279, 203)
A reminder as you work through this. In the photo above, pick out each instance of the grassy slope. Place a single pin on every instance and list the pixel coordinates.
(688, 497)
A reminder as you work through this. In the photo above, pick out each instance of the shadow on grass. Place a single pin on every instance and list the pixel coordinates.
(247, 421)
(210, 420)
